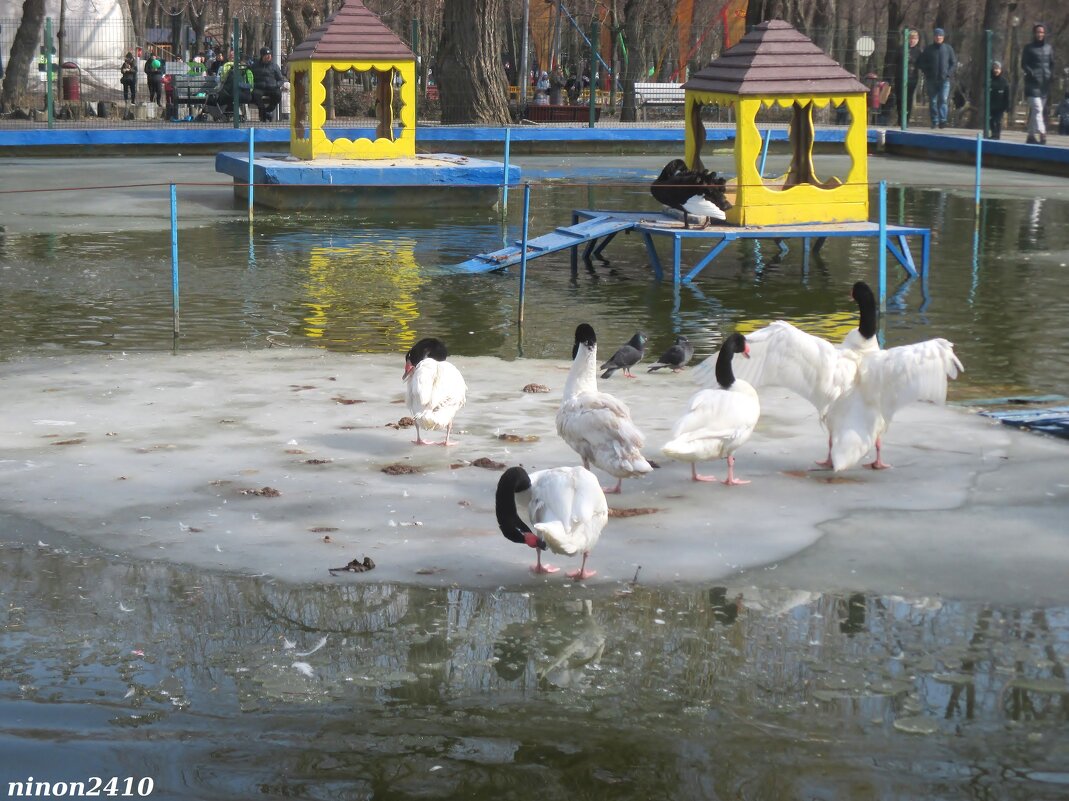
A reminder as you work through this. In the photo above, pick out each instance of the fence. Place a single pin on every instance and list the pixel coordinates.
(87, 90)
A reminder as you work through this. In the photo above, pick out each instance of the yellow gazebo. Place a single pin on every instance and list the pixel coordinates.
(352, 38)
(775, 64)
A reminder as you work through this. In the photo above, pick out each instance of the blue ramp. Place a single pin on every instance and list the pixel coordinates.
(560, 239)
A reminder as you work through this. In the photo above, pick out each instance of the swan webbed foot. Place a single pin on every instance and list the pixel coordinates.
(580, 575)
(824, 464)
(734, 482)
(696, 476)
(879, 464)
(541, 568)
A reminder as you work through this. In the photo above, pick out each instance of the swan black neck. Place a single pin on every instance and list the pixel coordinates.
(866, 306)
(429, 346)
(513, 480)
(725, 376)
(584, 335)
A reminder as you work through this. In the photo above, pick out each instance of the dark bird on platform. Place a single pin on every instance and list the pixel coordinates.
(627, 356)
(675, 357)
(697, 192)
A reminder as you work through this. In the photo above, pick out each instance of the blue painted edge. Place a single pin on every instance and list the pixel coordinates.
(457, 172)
(177, 136)
(967, 145)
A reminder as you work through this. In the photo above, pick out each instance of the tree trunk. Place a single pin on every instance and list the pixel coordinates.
(471, 81)
(892, 60)
(23, 51)
(635, 67)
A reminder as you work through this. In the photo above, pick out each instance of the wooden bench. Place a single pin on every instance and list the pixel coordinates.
(546, 113)
(659, 95)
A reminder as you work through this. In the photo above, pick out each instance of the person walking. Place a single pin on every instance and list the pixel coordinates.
(1037, 64)
(938, 63)
(154, 72)
(128, 78)
(998, 100)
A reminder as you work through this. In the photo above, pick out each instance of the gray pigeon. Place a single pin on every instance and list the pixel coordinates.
(675, 357)
(627, 357)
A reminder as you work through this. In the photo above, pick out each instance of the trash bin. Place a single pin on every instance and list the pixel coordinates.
(70, 87)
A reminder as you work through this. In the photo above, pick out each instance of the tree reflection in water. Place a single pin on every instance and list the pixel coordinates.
(444, 692)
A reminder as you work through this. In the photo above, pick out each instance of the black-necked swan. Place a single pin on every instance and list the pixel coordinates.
(596, 425)
(717, 421)
(886, 381)
(434, 388)
(626, 357)
(566, 507)
(696, 192)
(782, 355)
(676, 357)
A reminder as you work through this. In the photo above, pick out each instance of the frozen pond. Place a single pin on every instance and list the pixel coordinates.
(879, 635)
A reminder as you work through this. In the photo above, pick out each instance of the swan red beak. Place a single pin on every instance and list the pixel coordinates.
(408, 369)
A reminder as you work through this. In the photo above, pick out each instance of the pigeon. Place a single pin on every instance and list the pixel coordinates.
(675, 357)
(627, 356)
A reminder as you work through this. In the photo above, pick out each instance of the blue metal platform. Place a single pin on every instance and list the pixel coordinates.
(590, 225)
(600, 224)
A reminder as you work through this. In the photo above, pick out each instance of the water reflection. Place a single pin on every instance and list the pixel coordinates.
(366, 282)
(415, 691)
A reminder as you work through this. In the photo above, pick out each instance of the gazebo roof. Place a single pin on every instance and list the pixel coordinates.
(774, 59)
(352, 33)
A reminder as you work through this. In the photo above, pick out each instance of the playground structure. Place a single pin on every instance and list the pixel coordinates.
(328, 170)
(775, 64)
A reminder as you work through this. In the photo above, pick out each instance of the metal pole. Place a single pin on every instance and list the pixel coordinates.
(903, 94)
(883, 246)
(594, 35)
(979, 163)
(48, 73)
(522, 71)
(174, 257)
(235, 75)
(764, 153)
(252, 164)
(987, 85)
(505, 177)
(523, 247)
(276, 32)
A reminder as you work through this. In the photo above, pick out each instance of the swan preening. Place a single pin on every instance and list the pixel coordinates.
(566, 509)
(434, 388)
(596, 425)
(697, 192)
(719, 420)
(855, 387)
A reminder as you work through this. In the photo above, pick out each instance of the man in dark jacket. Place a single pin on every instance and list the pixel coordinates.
(999, 101)
(1037, 64)
(938, 63)
(267, 80)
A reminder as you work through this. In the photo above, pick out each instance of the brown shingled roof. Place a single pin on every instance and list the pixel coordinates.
(352, 32)
(774, 59)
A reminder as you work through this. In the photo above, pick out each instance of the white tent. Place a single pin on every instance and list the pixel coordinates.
(97, 34)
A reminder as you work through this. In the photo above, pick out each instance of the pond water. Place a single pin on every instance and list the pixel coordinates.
(240, 686)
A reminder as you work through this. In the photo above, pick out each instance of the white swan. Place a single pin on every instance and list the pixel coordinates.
(782, 355)
(886, 381)
(596, 425)
(717, 421)
(565, 505)
(435, 389)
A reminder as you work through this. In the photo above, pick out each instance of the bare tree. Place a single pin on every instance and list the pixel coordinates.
(22, 51)
(470, 76)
